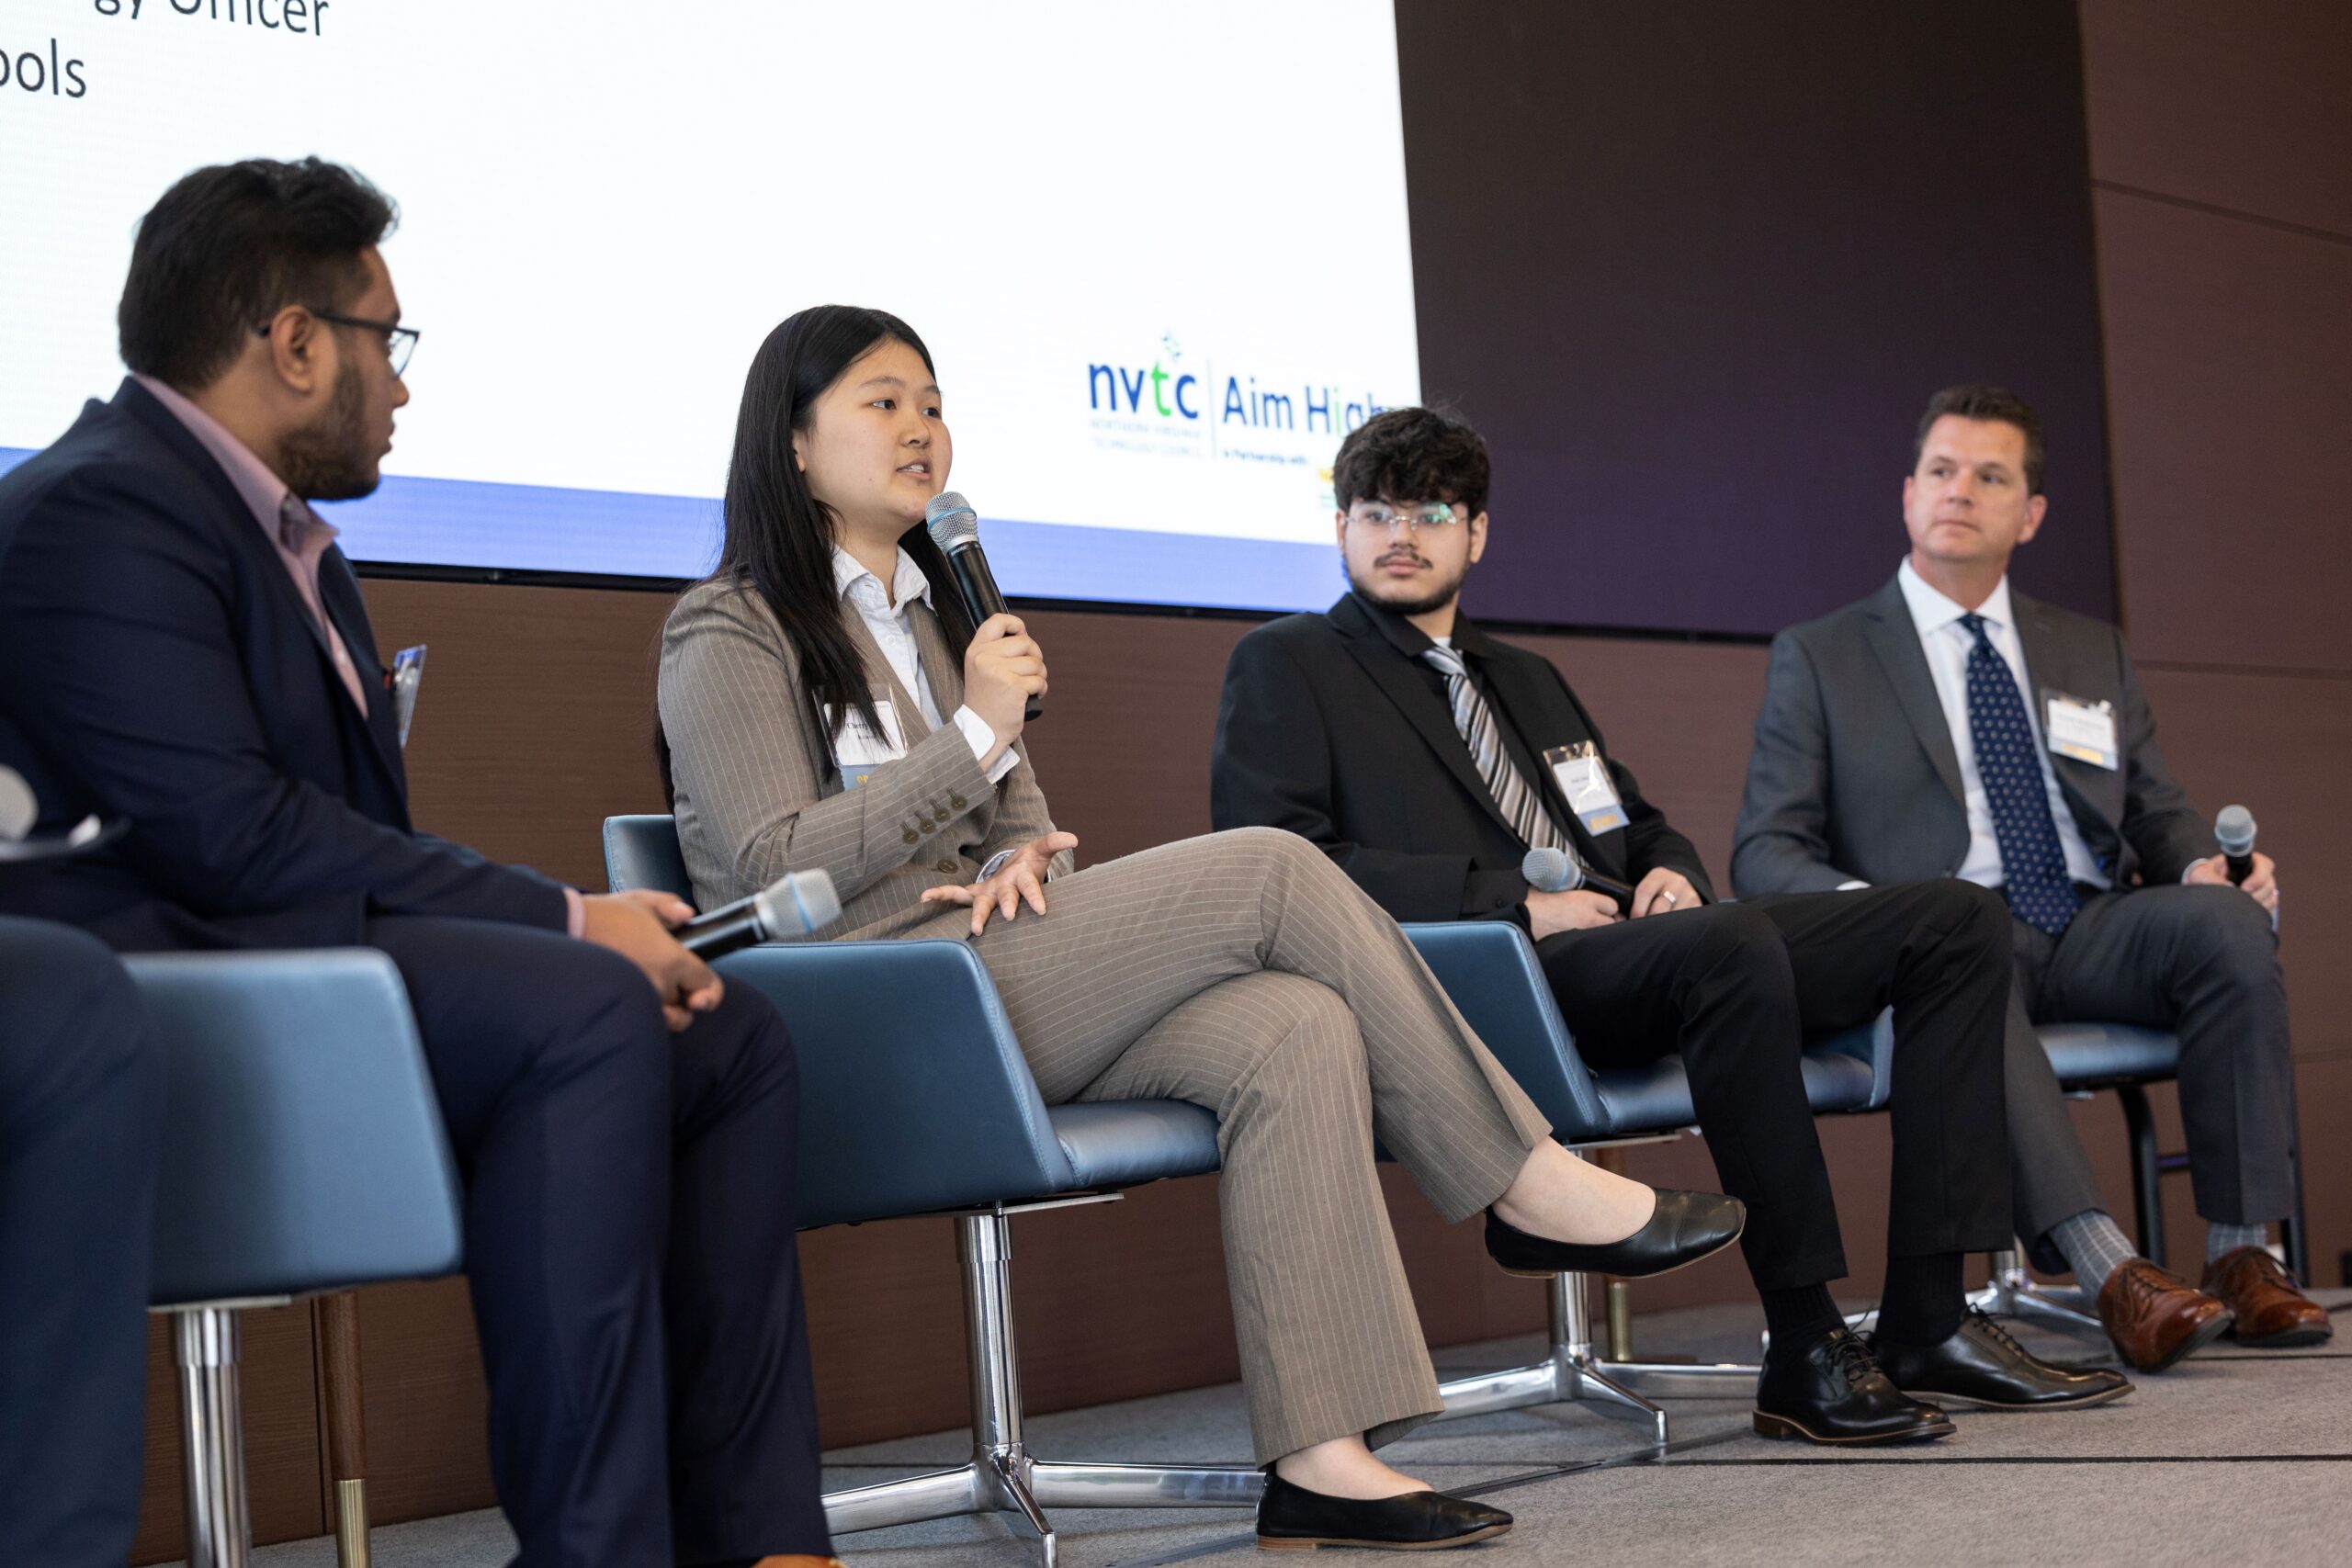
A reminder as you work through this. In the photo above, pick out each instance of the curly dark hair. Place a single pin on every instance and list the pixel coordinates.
(1411, 455)
(228, 247)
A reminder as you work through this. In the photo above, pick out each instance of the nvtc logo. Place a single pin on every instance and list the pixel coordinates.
(1156, 391)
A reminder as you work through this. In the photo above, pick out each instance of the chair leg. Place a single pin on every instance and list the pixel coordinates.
(2147, 1175)
(2294, 1232)
(1000, 1476)
(207, 1346)
(336, 1320)
(2012, 1292)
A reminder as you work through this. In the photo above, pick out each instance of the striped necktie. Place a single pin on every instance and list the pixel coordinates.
(1521, 807)
(2033, 863)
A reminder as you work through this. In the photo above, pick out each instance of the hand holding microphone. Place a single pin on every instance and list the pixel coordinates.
(2237, 864)
(660, 933)
(955, 527)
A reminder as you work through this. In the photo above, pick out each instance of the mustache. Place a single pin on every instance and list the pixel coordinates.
(1413, 555)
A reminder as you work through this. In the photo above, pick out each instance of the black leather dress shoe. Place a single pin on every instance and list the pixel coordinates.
(1832, 1392)
(1982, 1365)
(1685, 1227)
(1293, 1519)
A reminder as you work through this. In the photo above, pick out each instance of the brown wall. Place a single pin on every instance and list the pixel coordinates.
(2221, 157)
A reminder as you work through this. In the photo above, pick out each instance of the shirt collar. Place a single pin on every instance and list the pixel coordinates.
(1932, 610)
(264, 493)
(907, 581)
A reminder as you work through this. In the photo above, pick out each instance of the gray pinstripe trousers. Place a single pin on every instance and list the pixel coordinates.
(1245, 973)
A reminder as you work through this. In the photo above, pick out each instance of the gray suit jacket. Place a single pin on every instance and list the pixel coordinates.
(758, 795)
(1853, 775)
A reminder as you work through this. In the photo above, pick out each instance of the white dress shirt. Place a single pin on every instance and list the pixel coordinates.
(1947, 644)
(885, 615)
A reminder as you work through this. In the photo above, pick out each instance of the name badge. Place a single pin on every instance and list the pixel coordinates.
(1582, 773)
(860, 748)
(406, 676)
(2083, 730)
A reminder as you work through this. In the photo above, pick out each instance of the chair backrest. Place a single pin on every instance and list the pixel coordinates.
(641, 853)
(1489, 969)
(302, 1144)
(914, 1094)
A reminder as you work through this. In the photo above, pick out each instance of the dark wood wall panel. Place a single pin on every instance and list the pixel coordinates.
(2241, 105)
(2229, 352)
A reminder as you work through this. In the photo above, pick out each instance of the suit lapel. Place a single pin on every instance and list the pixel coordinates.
(244, 533)
(1895, 637)
(1399, 678)
(1527, 703)
(2047, 668)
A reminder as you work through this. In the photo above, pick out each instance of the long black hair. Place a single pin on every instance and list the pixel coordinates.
(779, 536)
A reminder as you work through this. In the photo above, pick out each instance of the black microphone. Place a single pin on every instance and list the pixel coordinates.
(1556, 871)
(2234, 828)
(792, 905)
(955, 527)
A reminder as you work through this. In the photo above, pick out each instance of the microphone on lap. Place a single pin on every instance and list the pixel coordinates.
(2234, 828)
(794, 904)
(955, 527)
(1556, 871)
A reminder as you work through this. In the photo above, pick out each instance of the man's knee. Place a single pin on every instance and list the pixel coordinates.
(1973, 917)
(1739, 941)
(2231, 933)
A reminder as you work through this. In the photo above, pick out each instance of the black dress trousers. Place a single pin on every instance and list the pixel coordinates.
(630, 1244)
(81, 1118)
(1737, 989)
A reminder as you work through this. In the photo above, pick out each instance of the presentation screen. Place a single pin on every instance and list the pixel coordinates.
(1160, 253)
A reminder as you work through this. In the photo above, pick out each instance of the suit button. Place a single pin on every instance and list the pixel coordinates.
(929, 825)
(912, 836)
(957, 801)
(947, 867)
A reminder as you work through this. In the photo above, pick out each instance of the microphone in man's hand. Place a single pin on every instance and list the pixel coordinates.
(1556, 871)
(955, 527)
(792, 905)
(2234, 828)
(19, 810)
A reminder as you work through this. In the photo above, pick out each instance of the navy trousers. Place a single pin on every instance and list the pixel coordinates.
(629, 1245)
(81, 1103)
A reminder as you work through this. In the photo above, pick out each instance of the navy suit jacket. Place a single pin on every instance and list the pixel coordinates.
(1332, 726)
(157, 664)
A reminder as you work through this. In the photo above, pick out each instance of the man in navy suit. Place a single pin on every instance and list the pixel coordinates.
(182, 646)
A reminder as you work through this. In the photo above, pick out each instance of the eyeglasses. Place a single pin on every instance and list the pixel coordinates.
(400, 341)
(1435, 518)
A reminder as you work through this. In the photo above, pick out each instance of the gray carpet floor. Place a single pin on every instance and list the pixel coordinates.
(2232, 1457)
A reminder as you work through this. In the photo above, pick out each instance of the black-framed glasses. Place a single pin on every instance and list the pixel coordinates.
(400, 341)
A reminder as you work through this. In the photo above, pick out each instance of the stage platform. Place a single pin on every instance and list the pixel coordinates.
(2232, 1457)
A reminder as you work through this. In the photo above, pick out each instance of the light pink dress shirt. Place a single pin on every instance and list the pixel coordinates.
(300, 537)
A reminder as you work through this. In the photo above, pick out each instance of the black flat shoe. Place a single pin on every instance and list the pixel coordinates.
(1292, 1518)
(1685, 1227)
(1833, 1391)
(1982, 1365)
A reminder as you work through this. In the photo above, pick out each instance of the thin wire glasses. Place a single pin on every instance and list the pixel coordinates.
(1432, 518)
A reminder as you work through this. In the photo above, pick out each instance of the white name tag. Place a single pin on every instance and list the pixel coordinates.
(860, 748)
(1582, 774)
(2084, 731)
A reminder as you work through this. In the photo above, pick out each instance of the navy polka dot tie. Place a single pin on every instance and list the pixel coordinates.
(2033, 865)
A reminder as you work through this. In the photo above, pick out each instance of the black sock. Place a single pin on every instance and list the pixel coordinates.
(1798, 1316)
(1924, 1303)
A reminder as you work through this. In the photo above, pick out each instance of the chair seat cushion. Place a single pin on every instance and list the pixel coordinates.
(1118, 1143)
(1655, 1097)
(2100, 1053)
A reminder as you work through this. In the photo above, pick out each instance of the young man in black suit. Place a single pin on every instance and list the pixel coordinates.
(1427, 758)
(182, 646)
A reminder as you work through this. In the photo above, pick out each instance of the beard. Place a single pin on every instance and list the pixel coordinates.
(328, 459)
(1387, 597)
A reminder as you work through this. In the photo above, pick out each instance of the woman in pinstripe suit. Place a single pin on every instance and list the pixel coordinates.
(823, 707)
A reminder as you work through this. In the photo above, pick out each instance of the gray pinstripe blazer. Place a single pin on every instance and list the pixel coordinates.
(758, 794)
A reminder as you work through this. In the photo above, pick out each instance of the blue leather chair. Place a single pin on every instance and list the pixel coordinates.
(916, 1100)
(303, 1153)
(1490, 970)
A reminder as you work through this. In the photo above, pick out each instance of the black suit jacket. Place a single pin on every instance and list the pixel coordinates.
(1853, 775)
(1332, 726)
(158, 664)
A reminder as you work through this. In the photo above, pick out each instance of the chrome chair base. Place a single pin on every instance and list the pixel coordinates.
(1574, 1370)
(209, 1347)
(1000, 1477)
(2012, 1292)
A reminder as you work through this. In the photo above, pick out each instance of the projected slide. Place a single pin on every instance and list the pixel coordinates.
(1159, 252)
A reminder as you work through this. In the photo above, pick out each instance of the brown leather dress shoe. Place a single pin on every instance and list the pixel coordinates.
(2154, 1317)
(2273, 1313)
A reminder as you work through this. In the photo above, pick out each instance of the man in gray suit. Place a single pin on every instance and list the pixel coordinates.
(1947, 727)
